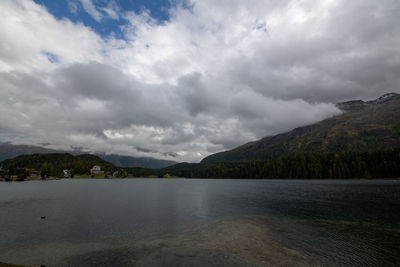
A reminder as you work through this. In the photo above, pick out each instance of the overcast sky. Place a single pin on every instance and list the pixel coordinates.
(183, 79)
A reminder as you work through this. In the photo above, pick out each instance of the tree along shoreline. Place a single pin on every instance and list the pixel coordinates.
(57, 165)
(311, 165)
(347, 165)
(29, 179)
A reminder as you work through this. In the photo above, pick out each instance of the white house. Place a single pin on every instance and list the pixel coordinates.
(67, 173)
(96, 170)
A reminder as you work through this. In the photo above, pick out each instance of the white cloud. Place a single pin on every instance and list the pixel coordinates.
(112, 10)
(98, 13)
(27, 29)
(216, 75)
(73, 6)
(91, 9)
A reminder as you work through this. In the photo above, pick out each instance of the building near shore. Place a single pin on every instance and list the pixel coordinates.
(67, 173)
(35, 173)
(96, 170)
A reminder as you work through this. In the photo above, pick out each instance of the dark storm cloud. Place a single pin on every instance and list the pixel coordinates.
(352, 55)
(195, 94)
(95, 80)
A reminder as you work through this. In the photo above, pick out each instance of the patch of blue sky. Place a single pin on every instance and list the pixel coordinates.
(51, 57)
(74, 11)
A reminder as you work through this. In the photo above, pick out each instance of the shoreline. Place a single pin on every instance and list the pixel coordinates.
(185, 178)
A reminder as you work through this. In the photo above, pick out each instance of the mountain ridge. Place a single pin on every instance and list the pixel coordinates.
(363, 126)
(9, 151)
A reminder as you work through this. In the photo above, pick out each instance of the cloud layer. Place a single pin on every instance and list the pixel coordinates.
(216, 75)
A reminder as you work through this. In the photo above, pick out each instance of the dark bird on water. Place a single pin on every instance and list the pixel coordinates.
(43, 217)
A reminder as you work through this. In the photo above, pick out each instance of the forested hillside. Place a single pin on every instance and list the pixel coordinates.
(53, 164)
(378, 164)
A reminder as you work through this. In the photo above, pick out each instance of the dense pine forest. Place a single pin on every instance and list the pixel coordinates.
(379, 164)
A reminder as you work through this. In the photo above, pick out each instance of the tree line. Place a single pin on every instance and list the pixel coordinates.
(378, 164)
(309, 165)
(54, 164)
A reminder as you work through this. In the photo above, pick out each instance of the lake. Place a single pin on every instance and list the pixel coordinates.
(200, 222)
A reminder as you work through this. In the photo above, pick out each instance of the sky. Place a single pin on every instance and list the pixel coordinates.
(179, 80)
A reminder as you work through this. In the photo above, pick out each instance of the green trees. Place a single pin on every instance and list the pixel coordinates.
(54, 164)
(46, 170)
(22, 173)
(378, 164)
(120, 173)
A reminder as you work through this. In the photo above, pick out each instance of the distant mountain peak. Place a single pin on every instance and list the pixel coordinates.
(357, 104)
(384, 98)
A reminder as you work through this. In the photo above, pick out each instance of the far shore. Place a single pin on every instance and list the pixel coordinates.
(88, 177)
(2, 264)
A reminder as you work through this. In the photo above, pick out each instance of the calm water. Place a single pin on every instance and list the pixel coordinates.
(333, 223)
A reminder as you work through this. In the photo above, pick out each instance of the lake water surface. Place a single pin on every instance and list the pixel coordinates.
(198, 222)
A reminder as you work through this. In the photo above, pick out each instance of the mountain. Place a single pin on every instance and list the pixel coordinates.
(363, 126)
(143, 162)
(9, 151)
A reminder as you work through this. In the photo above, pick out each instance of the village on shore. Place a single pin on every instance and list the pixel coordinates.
(23, 174)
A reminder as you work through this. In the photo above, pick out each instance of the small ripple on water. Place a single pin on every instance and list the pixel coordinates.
(341, 243)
